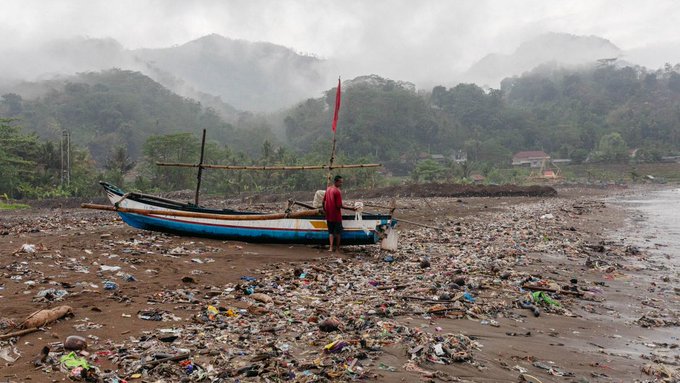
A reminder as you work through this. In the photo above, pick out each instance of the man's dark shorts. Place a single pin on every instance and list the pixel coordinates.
(334, 227)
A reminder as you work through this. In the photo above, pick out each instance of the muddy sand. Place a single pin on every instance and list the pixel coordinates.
(449, 305)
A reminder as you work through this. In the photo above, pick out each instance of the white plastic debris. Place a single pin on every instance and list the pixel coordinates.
(27, 248)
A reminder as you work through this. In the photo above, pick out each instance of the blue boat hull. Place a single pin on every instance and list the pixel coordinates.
(245, 234)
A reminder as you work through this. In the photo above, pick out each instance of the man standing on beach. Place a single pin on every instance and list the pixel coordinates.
(333, 208)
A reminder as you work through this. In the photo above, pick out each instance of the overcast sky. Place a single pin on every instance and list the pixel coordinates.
(399, 39)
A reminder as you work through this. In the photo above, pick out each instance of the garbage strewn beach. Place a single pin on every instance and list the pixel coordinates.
(512, 289)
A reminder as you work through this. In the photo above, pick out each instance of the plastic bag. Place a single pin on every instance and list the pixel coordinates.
(391, 241)
(319, 199)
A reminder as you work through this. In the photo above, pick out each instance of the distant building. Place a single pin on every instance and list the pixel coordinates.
(459, 156)
(438, 157)
(532, 158)
(549, 173)
(670, 159)
(477, 178)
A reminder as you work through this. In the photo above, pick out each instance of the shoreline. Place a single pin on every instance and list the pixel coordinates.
(493, 244)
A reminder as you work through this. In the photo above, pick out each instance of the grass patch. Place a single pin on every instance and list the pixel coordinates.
(12, 206)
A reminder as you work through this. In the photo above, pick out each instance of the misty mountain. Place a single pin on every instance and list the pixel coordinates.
(255, 76)
(219, 72)
(103, 110)
(561, 49)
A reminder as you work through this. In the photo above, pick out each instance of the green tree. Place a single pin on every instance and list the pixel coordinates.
(118, 164)
(428, 171)
(172, 148)
(613, 148)
(16, 158)
(579, 155)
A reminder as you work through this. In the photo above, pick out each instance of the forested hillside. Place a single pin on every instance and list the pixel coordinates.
(573, 110)
(122, 122)
(115, 108)
(564, 112)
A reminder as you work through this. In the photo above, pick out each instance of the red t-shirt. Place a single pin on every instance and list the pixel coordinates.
(333, 204)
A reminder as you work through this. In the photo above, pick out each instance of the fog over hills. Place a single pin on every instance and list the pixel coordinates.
(248, 75)
(655, 55)
(231, 75)
(222, 73)
(558, 48)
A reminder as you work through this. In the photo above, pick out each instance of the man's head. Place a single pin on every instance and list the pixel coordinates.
(337, 181)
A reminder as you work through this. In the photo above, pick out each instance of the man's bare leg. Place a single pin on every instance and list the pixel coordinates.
(330, 239)
(337, 242)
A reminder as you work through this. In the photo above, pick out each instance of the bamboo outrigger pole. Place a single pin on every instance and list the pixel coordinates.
(257, 167)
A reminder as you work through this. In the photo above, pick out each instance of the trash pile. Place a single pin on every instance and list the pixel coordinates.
(332, 319)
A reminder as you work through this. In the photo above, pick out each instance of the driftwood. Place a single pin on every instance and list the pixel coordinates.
(428, 300)
(43, 317)
(390, 287)
(447, 310)
(19, 333)
(175, 358)
(225, 217)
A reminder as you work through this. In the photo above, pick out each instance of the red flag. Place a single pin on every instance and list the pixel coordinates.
(337, 107)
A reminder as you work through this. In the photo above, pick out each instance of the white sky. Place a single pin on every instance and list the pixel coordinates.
(400, 39)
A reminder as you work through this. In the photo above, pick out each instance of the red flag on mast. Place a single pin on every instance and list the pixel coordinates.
(337, 107)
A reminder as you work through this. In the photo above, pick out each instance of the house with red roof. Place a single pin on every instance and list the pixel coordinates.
(533, 159)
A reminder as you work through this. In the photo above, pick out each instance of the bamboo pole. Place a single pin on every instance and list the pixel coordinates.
(330, 163)
(200, 170)
(256, 167)
(290, 201)
(224, 217)
(19, 333)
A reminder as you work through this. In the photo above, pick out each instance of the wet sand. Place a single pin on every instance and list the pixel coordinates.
(601, 342)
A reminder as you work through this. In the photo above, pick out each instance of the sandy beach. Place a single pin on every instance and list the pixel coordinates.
(449, 305)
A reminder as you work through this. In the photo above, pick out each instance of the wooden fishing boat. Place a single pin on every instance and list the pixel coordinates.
(309, 226)
(153, 213)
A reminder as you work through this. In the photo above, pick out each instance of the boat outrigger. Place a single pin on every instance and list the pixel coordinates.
(153, 213)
